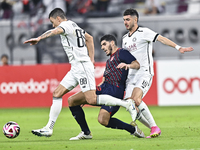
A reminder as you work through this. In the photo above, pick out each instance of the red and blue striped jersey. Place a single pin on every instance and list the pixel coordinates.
(114, 75)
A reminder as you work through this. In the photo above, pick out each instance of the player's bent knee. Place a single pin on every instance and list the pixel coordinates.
(70, 101)
(102, 121)
(91, 97)
(91, 101)
(103, 118)
(57, 94)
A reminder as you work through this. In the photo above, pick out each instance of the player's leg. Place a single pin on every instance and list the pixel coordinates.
(74, 105)
(105, 118)
(139, 116)
(77, 99)
(85, 77)
(54, 112)
(137, 96)
(108, 100)
(142, 119)
(103, 99)
(155, 131)
(66, 85)
(56, 105)
(139, 91)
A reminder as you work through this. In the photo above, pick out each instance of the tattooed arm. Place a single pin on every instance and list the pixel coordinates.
(49, 33)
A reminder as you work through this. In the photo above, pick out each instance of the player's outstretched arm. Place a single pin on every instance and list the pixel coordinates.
(32, 41)
(168, 42)
(49, 33)
(134, 65)
(185, 49)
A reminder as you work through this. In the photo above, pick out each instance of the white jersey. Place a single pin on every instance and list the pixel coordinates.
(73, 41)
(139, 44)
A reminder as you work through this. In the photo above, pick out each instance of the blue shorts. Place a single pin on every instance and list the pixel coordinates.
(111, 90)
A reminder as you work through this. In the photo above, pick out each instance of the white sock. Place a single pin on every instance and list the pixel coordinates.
(54, 112)
(147, 114)
(142, 119)
(110, 101)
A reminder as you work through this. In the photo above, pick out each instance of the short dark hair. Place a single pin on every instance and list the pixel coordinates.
(109, 37)
(57, 12)
(131, 12)
(4, 55)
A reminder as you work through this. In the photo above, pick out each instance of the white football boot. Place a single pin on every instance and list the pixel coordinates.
(138, 133)
(81, 136)
(45, 131)
(131, 108)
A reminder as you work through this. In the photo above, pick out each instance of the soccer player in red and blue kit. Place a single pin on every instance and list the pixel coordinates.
(114, 83)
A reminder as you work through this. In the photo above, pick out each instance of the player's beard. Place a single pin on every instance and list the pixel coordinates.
(110, 50)
(131, 27)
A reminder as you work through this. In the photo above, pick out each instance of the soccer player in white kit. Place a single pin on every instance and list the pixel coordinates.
(77, 44)
(139, 41)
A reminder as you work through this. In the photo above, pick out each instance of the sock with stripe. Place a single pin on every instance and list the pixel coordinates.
(147, 114)
(142, 119)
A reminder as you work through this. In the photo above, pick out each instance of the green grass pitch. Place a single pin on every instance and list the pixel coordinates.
(180, 130)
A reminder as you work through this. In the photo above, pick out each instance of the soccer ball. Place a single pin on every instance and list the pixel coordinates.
(11, 130)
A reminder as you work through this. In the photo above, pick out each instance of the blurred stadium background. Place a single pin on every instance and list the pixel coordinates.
(177, 76)
(178, 21)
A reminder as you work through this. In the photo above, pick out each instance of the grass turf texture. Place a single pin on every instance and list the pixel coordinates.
(180, 130)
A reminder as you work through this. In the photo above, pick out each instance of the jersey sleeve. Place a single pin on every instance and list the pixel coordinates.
(125, 56)
(66, 27)
(150, 35)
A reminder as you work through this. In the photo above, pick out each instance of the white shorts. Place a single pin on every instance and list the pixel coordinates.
(81, 73)
(142, 81)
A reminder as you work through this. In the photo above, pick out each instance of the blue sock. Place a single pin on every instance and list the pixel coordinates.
(115, 123)
(79, 115)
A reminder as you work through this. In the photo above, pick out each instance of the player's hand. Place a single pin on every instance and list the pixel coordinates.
(32, 41)
(123, 66)
(185, 49)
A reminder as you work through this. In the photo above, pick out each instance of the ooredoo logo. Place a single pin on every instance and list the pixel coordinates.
(28, 87)
(182, 85)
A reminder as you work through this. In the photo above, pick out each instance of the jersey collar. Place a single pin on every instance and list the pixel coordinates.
(133, 32)
(114, 52)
